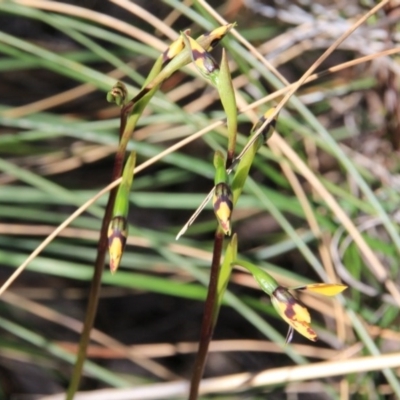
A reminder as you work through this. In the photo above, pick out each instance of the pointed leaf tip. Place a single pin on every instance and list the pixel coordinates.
(326, 289)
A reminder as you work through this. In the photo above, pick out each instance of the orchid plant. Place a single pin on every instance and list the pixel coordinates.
(225, 193)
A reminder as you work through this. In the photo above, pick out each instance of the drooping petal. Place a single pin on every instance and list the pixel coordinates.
(294, 313)
(327, 289)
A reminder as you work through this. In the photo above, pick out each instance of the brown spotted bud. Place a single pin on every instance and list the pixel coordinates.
(118, 94)
(223, 206)
(117, 235)
(174, 49)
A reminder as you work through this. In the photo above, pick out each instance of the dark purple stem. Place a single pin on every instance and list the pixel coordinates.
(208, 323)
(98, 271)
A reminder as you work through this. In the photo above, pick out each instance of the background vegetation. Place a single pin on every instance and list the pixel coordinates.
(321, 205)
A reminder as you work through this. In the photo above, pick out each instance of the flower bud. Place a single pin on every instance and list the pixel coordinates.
(117, 235)
(117, 94)
(223, 206)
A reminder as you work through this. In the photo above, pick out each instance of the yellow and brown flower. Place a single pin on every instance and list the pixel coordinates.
(293, 312)
(223, 206)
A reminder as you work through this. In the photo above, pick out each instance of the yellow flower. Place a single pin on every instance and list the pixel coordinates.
(327, 289)
(287, 306)
(294, 313)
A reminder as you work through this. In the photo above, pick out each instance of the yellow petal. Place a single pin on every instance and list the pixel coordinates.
(295, 314)
(223, 205)
(202, 59)
(217, 35)
(327, 289)
(304, 329)
(117, 235)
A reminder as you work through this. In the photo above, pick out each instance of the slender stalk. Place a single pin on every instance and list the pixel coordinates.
(91, 307)
(125, 133)
(208, 322)
(95, 283)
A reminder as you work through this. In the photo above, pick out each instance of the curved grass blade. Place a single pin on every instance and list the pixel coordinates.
(266, 132)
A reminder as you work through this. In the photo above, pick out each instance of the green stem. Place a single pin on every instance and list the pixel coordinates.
(208, 323)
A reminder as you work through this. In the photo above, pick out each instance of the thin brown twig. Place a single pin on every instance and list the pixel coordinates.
(102, 19)
(310, 70)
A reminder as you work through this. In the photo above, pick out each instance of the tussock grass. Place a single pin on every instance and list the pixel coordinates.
(321, 203)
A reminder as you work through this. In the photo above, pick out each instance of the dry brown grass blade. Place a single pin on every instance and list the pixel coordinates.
(170, 150)
(73, 324)
(93, 16)
(175, 14)
(102, 19)
(313, 77)
(240, 382)
(311, 69)
(57, 99)
(86, 234)
(242, 40)
(157, 350)
(148, 17)
(54, 234)
(330, 201)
